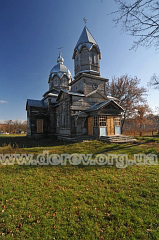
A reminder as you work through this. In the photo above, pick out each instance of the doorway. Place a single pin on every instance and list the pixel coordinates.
(90, 126)
(39, 125)
(117, 124)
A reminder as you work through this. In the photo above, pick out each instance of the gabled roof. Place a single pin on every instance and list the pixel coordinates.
(86, 37)
(112, 98)
(70, 93)
(109, 98)
(98, 92)
(97, 106)
(101, 94)
(36, 103)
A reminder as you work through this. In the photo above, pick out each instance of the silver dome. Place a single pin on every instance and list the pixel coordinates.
(60, 69)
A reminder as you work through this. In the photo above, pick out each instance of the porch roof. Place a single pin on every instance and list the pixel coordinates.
(36, 103)
(98, 106)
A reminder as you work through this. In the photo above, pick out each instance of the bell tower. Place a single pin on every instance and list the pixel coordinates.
(87, 58)
(87, 54)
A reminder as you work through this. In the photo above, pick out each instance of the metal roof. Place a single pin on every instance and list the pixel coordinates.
(86, 37)
(70, 93)
(52, 94)
(112, 98)
(60, 69)
(36, 103)
(52, 90)
(97, 106)
(73, 93)
(98, 92)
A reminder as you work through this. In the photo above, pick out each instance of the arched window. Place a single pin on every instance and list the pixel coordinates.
(77, 61)
(56, 81)
(64, 81)
(84, 56)
(97, 59)
(92, 58)
(51, 84)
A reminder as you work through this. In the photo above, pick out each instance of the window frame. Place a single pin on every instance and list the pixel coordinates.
(95, 121)
(117, 122)
(102, 121)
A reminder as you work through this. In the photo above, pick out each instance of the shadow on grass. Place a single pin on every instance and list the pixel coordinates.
(147, 137)
(122, 146)
(119, 147)
(25, 142)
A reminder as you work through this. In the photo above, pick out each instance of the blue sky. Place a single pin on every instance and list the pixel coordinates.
(31, 32)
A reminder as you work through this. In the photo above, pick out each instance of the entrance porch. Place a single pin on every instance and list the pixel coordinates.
(104, 125)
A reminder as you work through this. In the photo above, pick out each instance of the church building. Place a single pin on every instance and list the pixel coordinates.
(76, 107)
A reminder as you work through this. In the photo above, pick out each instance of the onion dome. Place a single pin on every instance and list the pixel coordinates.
(60, 69)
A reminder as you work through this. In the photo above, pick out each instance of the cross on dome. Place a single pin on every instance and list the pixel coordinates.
(60, 58)
(60, 49)
(85, 21)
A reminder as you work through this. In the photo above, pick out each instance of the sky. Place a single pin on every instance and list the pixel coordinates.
(31, 31)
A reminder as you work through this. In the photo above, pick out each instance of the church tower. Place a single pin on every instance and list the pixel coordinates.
(87, 58)
(86, 54)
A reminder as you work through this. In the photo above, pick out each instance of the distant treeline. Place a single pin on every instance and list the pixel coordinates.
(13, 126)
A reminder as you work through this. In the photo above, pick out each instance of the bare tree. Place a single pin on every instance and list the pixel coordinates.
(143, 121)
(141, 20)
(141, 114)
(9, 125)
(154, 81)
(129, 94)
(17, 126)
(157, 117)
(24, 126)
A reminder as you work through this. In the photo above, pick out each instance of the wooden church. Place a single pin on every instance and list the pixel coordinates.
(76, 107)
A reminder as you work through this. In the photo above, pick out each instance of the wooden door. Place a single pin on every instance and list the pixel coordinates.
(110, 125)
(39, 125)
(90, 126)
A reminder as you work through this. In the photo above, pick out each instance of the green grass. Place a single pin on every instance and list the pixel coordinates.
(78, 202)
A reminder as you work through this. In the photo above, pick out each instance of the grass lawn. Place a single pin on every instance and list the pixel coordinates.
(78, 202)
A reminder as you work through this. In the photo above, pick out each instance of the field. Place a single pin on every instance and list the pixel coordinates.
(79, 202)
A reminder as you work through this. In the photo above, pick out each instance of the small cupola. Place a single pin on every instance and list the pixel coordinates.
(60, 76)
(87, 54)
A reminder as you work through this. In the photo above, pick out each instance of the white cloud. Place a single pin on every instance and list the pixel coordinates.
(2, 121)
(3, 101)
